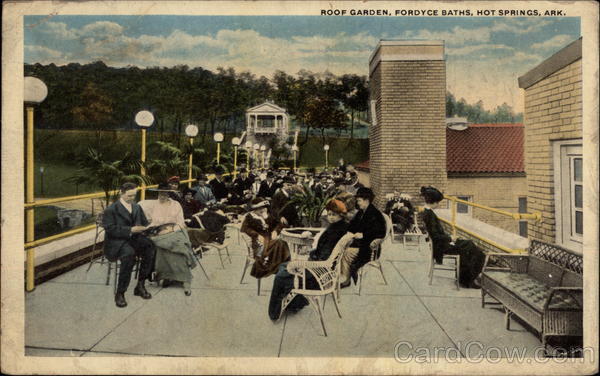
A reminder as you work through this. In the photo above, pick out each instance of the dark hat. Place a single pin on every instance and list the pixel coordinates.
(202, 177)
(431, 194)
(365, 193)
(219, 170)
(259, 203)
(289, 179)
(270, 174)
(187, 190)
(162, 187)
(243, 170)
(336, 206)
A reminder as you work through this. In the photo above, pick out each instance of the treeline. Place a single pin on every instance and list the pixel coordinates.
(101, 98)
(476, 114)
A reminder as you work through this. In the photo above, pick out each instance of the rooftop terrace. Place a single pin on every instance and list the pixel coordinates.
(75, 315)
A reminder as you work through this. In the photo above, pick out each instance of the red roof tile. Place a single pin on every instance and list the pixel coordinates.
(483, 148)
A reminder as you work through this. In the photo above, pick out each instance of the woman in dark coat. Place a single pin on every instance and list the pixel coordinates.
(284, 281)
(369, 227)
(268, 252)
(471, 257)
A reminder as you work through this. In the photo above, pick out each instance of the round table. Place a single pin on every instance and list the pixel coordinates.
(299, 244)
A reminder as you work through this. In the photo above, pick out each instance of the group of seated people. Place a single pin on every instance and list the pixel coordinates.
(164, 233)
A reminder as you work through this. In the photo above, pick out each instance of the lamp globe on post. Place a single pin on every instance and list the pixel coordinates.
(35, 91)
(235, 142)
(262, 149)
(326, 148)
(191, 131)
(248, 148)
(294, 151)
(144, 119)
(218, 137)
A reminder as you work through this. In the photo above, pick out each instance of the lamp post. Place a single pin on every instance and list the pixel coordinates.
(236, 142)
(294, 151)
(263, 148)
(218, 137)
(191, 131)
(256, 147)
(35, 91)
(248, 148)
(41, 180)
(326, 148)
(144, 119)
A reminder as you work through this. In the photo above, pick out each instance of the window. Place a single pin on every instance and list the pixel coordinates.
(568, 188)
(463, 208)
(523, 209)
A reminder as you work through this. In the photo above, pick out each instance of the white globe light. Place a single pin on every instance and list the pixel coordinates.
(263, 147)
(248, 144)
(256, 146)
(235, 141)
(326, 147)
(144, 118)
(218, 137)
(35, 90)
(191, 130)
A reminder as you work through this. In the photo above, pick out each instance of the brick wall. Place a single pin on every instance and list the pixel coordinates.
(500, 192)
(553, 111)
(408, 144)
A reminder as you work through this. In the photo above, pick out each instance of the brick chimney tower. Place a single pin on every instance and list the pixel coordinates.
(408, 117)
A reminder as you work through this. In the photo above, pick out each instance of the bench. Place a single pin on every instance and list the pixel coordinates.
(544, 288)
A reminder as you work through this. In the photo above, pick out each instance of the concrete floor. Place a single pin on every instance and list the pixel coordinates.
(74, 315)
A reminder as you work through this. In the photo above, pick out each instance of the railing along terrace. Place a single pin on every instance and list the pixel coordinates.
(455, 227)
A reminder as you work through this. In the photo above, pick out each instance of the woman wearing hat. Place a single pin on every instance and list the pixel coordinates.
(174, 257)
(284, 281)
(471, 257)
(268, 252)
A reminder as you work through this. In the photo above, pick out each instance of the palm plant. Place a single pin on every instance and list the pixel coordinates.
(310, 205)
(94, 170)
(170, 160)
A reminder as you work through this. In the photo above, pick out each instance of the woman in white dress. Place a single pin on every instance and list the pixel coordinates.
(174, 256)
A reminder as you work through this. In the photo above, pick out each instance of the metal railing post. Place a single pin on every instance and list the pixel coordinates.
(29, 212)
(453, 218)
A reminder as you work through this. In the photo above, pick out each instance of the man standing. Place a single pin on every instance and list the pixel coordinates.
(217, 185)
(124, 221)
(204, 194)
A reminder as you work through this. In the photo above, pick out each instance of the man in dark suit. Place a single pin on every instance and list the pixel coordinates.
(218, 186)
(282, 214)
(204, 194)
(124, 221)
(242, 183)
(268, 187)
(369, 227)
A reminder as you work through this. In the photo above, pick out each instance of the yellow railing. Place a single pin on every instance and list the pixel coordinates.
(516, 216)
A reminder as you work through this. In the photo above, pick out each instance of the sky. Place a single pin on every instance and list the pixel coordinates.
(484, 55)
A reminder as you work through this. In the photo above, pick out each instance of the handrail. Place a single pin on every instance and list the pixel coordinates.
(516, 216)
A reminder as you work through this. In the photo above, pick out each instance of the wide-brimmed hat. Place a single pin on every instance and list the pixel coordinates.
(162, 187)
(336, 206)
(259, 203)
(365, 193)
(431, 194)
(219, 170)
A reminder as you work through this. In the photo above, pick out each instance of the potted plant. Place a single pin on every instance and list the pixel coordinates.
(310, 206)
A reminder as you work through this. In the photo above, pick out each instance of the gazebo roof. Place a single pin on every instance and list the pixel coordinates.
(267, 107)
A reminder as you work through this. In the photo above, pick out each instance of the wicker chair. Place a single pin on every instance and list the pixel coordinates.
(375, 261)
(217, 246)
(325, 273)
(249, 258)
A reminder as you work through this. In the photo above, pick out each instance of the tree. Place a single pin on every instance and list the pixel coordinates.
(322, 113)
(95, 111)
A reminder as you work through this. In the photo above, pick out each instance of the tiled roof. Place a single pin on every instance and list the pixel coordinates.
(483, 148)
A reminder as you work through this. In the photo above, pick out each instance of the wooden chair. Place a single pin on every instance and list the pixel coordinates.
(455, 267)
(236, 225)
(375, 261)
(250, 260)
(414, 232)
(325, 273)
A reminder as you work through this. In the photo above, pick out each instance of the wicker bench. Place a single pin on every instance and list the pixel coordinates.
(544, 288)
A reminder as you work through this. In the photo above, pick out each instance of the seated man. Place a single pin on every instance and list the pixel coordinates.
(124, 221)
(401, 212)
(368, 226)
(204, 194)
(218, 186)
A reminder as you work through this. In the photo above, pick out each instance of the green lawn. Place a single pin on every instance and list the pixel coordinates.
(54, 184)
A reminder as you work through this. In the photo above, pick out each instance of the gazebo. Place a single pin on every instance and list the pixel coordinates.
(265, 121)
